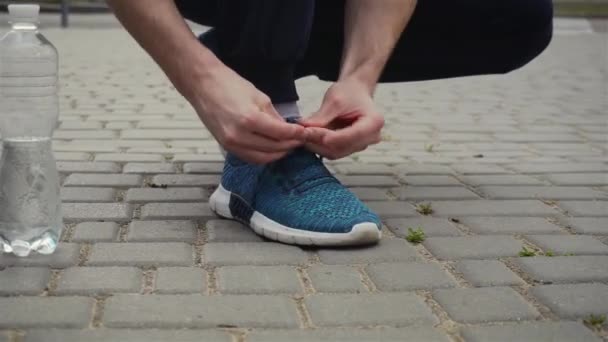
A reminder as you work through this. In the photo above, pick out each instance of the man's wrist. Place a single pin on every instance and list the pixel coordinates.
(191, 68)
(366, 75)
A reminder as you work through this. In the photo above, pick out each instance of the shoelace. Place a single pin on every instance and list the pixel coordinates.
(294, 173)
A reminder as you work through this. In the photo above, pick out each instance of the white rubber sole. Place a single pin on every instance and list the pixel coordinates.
(361, 234)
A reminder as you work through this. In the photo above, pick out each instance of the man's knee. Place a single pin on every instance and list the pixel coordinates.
(535, 32)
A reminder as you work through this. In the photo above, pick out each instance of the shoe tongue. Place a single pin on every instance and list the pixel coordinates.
(302, 166)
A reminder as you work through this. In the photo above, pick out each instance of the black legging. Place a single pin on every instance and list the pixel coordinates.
(273, 42)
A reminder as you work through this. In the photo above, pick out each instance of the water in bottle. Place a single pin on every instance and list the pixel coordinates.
(30, 203)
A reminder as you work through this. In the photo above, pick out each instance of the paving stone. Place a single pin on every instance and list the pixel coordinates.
(510, 225)
(174, 280)
(481, 273)
(573, 301)
(204, 168)
(230, 231)
(196, 311)
(422, 193)
(176, 211)
(431, 226)
(141, 254)
(392, 209)
(146, 195)
(187, 180)
(258, 280)
(370, 194)
(485, 304)
(71, 156)
(41, 312)
(102, 180)
(149, 168)
(88, 167)
(492, 208)
(161, 231)
(253, 253)
(433, 180)
(585, 208)
(95, 232)
(88, 195)
(511, 180)
(543, 192)
(129, 157)
(581, 179)
(84, 134)
(559, 167)
(478, 169)
(65, 255)
(368, 181)
(165, 134)
(387, 250)
(589, 225)
(89, 281)
(394, 309)
(426, 334)
(473, 247)
(78, 212)
(566, 269)
(115, 335)
(364, 169)
(335, 279)
(399, 276)
(564, 244)
(23, 280)
(4, 336)
(423, 169)
(530, 331)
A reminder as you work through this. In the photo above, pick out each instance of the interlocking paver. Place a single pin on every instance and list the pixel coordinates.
(434, 180)
(368, 181)
(559, 167)
(510, 225)
(88, 167)
(492, 208)
(175, 280)
(79, 212)
(258, 280)
(88, 195)
(176, 211)
(581, 179)
(103, 180)
(477, 169)
(431, 226)
(129, 157)
(197, 311)
(567, 244)
(566, 269)
(230, 231)
(370, 194)
(149, 168)
(473, 247)
(585, 208)
(204, 168)
(161, 231)
(141, 254)
(131, 335)
(392, 209)
(364, 169)
(589, 225)
(253, 253)
(335, 278)
(543, 192)
(426, 334)
(435, 193)
(422, 169)
(485, 304)
(65, 255)
(88, 281)
(482, 273)
(42, 312)
(395, 309)
(574, 301)
(388, 250)
(95, 232)
(147, 195)
(23, 280)
(530, 331)
(186, 180)
(409, 276)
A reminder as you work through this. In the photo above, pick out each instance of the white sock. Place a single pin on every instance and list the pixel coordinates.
(288, 110)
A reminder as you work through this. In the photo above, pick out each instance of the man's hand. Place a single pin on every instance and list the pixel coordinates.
(242, 118)
(347, 121)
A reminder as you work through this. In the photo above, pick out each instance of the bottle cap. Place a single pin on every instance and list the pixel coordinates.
(24, 13)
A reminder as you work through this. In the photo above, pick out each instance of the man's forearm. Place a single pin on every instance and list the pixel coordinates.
(371, 30)
(160, 29)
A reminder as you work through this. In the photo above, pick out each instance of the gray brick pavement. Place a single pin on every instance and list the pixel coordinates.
(483, 273)
(536, 331)
(574, 301)
(258, 280)
(177, 280)
(336, 278)
(23, 280)
(426, 334)
(562, 244)
(566, 269)
(42, 312)
(131, 335)
(398, 277)
(141, 254)
(89, 281)
(473, 247)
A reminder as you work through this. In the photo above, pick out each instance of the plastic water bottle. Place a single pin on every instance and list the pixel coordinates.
(30, 203)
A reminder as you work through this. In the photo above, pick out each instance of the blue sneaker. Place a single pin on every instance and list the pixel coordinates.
(294, 200)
